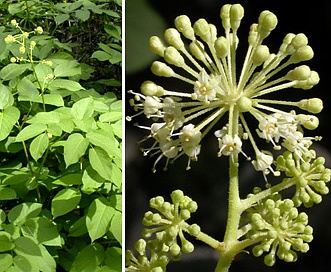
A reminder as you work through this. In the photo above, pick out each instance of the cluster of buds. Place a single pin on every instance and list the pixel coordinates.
(308, 174)
(164, 233)
(218, 96)
(279, 229)
(22, 39)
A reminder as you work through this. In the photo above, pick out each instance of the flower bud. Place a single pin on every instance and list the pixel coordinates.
(225, 16)
(310, 122)
(286, 41)
(267, 22)
(313, 105)
(172, 56)
(236, 14)
(149, 88)
(303, 53)
(172, 36)
(202, 29)
(161, 69)
(156, 45)
(187, 247)
(221, 47)
(301, 72)
(261, 54)
(183, 24)
(177, 196)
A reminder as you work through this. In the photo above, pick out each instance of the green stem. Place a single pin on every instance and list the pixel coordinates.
(231, 248)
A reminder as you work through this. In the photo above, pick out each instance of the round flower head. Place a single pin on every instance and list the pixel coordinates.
(220, 93)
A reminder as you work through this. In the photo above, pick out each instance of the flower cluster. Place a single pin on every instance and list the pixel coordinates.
(218, 96)
(309, 176)
(165, 231)
(280, 229)
(22, 40)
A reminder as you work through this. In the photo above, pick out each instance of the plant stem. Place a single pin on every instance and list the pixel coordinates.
(230, 248)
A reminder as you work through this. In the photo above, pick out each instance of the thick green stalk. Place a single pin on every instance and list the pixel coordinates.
(230, 247)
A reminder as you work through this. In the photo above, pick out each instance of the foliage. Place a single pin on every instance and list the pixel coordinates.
(60, 139)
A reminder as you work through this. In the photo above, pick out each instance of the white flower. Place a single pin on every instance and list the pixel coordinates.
(217, 90)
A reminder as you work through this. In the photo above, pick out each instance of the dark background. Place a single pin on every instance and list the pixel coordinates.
(206, 182)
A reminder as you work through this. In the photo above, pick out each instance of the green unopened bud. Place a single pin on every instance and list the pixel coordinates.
(313, 105)
(149, 88)
(177, 196)
(286, 41)
(174, 250)
(194, 230)
(156, 202)
(303, 53)
(185, 214)
(261, 54)
(140, 246)
(39, 30)
(192, 206)
(156, 45)
(202, 29)
(236, 14)
(172, 36)
(302, 72)
(310, 122)
(187, 247)
(13, 22)
(267, 22)
(221, 47)
(270, 259)
(161, 69)
(172, 56)
(225, 16)
(183, 24)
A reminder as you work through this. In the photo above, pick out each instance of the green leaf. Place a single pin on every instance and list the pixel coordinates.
(113, 259)
(78, 228)
(8, 118)
(71, 179)
(48, 99)
(67, 69)
(38, 146)
(6, 261)
(7, 193)
(66, 84)
(6, 97)
(101, 162)
(59, 19)
(83, 14)
(106, 141)
(45, 118)
(88, 259)
(110, 117)
(37, 254)
(13, 70)
(30, 131)
(20, 213)
(5, 242)
(74, 148)
(43, 230)
(2, 216)
(42, 70)
(116, 226)
(65, 201)
(27, 90)
(91, 181)
(98, 218)
(83, 108)
(116, 175)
